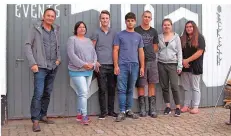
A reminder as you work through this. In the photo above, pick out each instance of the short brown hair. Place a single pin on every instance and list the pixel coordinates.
(167, 19)
(147, 11)
(104, 12)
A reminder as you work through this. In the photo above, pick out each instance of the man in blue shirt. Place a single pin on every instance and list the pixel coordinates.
(128, 53)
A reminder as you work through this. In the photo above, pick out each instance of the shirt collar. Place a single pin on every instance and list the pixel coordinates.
(109, 29)
(52, 28)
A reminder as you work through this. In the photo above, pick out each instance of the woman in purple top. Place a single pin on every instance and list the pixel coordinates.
(82, 62)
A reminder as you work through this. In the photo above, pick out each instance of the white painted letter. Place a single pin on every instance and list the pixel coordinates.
(32, 10)
(25, 11)
(57, 10)
(17, 14)
(49, 6)
(40, 10)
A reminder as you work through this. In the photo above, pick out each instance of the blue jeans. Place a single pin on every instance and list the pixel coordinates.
(43, 86)
(126, 81)
(82, 85)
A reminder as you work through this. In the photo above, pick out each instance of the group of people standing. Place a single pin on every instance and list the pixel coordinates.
(134, 57)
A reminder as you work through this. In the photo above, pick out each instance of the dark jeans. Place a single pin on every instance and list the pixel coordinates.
(106, 82)
(126, 81)
(43, 86)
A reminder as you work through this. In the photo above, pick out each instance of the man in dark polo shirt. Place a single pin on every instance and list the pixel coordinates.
(150, 39)
(103, 40)
(43, 54)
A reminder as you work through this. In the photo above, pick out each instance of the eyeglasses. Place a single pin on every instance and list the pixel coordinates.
(189, 26)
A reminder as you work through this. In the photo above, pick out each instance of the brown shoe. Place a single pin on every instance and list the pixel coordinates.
(46, 120)
(36, 127)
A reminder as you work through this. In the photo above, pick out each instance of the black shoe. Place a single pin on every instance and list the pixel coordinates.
(153, 115)
(143, 114)
(177, 112)
(120, 117)
(131, 114)
(112, 114)
(167, 111)
(102, 116)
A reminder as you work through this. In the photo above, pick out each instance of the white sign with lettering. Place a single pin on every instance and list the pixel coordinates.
(216, 29)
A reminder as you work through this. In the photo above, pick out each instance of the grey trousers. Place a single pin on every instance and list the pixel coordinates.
(168, 72)
(191, 85)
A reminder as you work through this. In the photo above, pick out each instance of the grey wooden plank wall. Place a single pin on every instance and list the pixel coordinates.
(63, 99)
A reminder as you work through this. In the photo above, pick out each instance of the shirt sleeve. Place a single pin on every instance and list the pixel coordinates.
(94, 57)
(155, 38)
(179, 54)
(116, 41)
(141, 43)
(28, 47)
(201, 42)
(94, 36)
